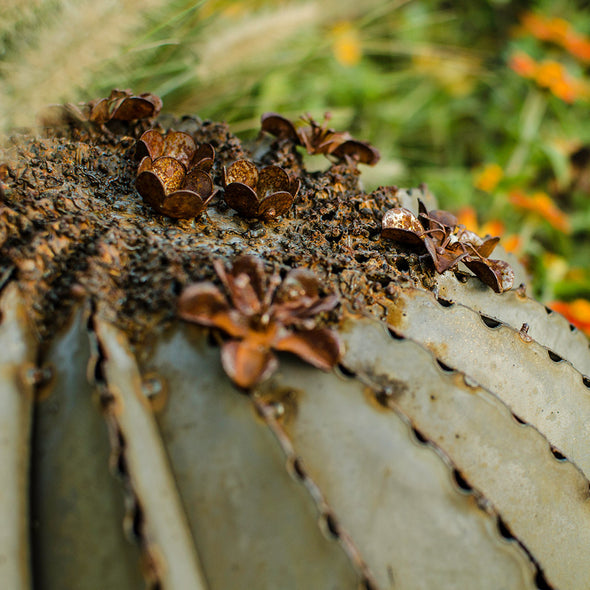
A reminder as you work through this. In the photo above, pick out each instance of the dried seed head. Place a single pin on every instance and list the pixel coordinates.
(263, 194)
(320, 139)
(172, 176)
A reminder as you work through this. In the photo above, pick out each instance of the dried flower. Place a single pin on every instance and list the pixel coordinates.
(121, 105)
(263, 194)
(173, 174)
(448, 243)
(262, 315)
(319, 139)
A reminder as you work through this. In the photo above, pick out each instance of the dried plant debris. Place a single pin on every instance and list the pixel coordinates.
(320, 139)
(173, 174)
(120, 105)
(263, 194)
(448, 243)
(263, 314)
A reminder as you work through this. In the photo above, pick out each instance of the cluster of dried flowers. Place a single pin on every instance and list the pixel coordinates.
(263, 314)
(320, 139)
(173, 175)
(447, 243)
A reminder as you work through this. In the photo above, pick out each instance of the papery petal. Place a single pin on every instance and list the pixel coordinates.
(204, 157)
(170, 171)
(246, 364)
(151, 144)
(279, 126)
(320, 347)
(443, 217)
(357, 150)
(150, 187)
(272, 179)
(204, 304)
(132, 108)
(180, 146)
(199, 182)
(241, 171)
(497, 274)
(242, 198)
(182, 204)
(401, 225)
(274, 205)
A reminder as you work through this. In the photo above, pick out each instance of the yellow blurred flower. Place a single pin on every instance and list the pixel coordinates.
(489, 177)
(346, 44)
(541, 204)
(576, 312)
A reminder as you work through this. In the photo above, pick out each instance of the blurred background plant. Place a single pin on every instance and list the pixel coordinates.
(485, 102)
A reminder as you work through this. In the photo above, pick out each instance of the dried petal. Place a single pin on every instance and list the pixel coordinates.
(271, 179)
(245, 283)
(132, 108)
(182, 204)
(204, 157)
(279, 126)
(170, 171)
(204, 304)
(357, 150)
(199, 182)
(274, 205)
(247, 365)
(487, 246)
(497, 274)
(242, 198)
(180, 146)
(99, 111)
(241, 171)
(150, 187)
(402, 225)
(441, 217)
(320, 347)
(151, 144)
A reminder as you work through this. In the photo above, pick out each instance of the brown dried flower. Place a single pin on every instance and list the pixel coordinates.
(121, 105)
(263, 314)
(448, 243)
(173, 174)
(320, 139)
(263, 194)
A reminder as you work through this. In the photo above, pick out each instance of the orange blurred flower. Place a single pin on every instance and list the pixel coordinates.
(542, 204)
(558, 31)
(346, 44)
(523, 64)
(467, 216)
(576, 312)
(489, 177)
(549, 74)
(578, 46)
(546, 28)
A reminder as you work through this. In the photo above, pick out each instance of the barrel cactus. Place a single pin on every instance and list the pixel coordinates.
(443, 445)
